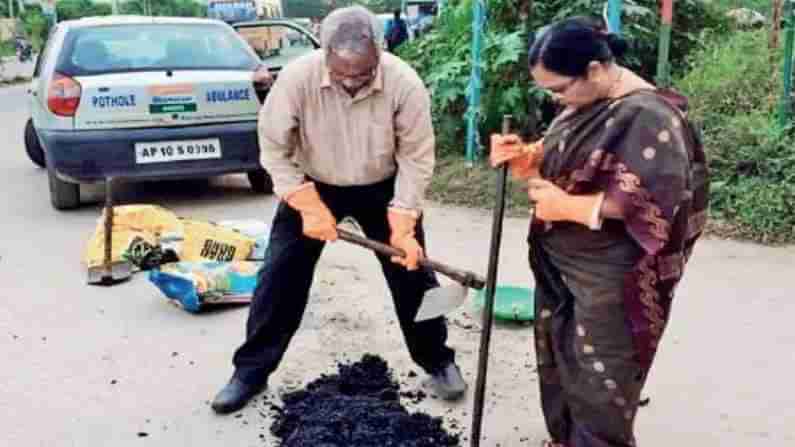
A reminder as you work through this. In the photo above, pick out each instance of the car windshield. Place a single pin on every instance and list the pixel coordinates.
(148, 47)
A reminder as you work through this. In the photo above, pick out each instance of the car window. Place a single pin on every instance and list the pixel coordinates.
(108, 49)
(277, 44)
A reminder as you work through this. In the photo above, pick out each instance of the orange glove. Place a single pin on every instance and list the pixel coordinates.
(318, 222)
(523, 159)
(403, 224)
(552, 204)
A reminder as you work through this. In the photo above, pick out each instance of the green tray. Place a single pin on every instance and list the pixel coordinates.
(510, 303)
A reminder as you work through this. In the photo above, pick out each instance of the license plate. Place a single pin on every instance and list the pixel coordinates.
(167, 151)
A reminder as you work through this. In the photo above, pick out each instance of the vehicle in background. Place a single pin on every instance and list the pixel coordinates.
(144, 98)
(294, 41)
(232, 11)
(421, 14)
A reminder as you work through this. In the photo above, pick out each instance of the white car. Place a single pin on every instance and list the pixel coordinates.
(144, 98)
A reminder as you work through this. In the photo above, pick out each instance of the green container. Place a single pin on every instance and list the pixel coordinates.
(510, 303)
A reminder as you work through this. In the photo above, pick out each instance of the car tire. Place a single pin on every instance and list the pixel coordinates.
(32, 145)
(260, 181)
(63, 195)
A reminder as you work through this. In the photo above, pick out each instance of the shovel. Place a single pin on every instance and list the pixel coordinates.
(438, 301)
(109, 273)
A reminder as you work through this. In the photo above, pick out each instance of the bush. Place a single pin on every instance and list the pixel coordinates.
(733, 87)
(761, 6)
(7, 48)
(36, 26)
(443, 56)
(734, 76)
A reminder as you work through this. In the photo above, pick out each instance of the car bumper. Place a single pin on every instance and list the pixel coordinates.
(87, 156)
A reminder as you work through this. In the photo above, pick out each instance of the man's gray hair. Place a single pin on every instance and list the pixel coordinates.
(352, 29)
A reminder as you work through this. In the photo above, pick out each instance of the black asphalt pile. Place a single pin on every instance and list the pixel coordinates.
(357, 407)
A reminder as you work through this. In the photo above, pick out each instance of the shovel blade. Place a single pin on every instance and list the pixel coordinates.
(440, 301)
(120, 271)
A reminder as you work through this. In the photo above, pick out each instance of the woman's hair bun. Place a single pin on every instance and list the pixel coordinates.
(617, 44)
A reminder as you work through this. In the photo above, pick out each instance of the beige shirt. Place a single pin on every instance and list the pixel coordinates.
(311, 126)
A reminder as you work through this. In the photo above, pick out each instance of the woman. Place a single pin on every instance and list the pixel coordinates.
(620, 189)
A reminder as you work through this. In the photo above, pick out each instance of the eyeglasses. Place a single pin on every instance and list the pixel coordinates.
(364, 75)
(561, 90)
(358, 77)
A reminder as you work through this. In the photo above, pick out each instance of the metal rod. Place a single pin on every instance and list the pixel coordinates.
(491, 288)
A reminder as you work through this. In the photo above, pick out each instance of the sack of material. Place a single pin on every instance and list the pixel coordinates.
(255, 229)
(135, 237)
(147, 236)
(207, 241)
(195, 285)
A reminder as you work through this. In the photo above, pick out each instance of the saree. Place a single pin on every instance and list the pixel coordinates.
(603, 298)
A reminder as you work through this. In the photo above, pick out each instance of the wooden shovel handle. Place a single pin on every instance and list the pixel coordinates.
(468, 279)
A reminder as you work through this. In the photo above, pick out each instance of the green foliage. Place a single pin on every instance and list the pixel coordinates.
(7, 48)
(762, 6)
(734, 76)
(733, 87)
(75, 9)
(641, 24)
(443, 56)
(36, 26)
(320, 8)
(168, 8)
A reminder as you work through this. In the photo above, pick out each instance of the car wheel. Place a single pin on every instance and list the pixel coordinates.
(260, 181)
(63, 195)
(32, 145)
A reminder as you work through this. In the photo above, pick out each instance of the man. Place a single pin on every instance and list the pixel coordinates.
(398, 32)
(345, 131)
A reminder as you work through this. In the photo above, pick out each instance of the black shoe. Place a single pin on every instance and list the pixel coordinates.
(447, 382)
(234, 396)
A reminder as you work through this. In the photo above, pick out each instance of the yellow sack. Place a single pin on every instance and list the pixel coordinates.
(126, 245)
(137, 235)
(205, 241)
(148, 235)
(149, 218)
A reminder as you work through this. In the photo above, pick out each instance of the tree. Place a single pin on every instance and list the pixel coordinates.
(75, 9)
(170, 8)
(35, 25)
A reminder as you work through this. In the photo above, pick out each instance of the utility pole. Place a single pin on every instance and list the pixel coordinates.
(785, 103)
(775, 29)
(614, 8)
(664, 50)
